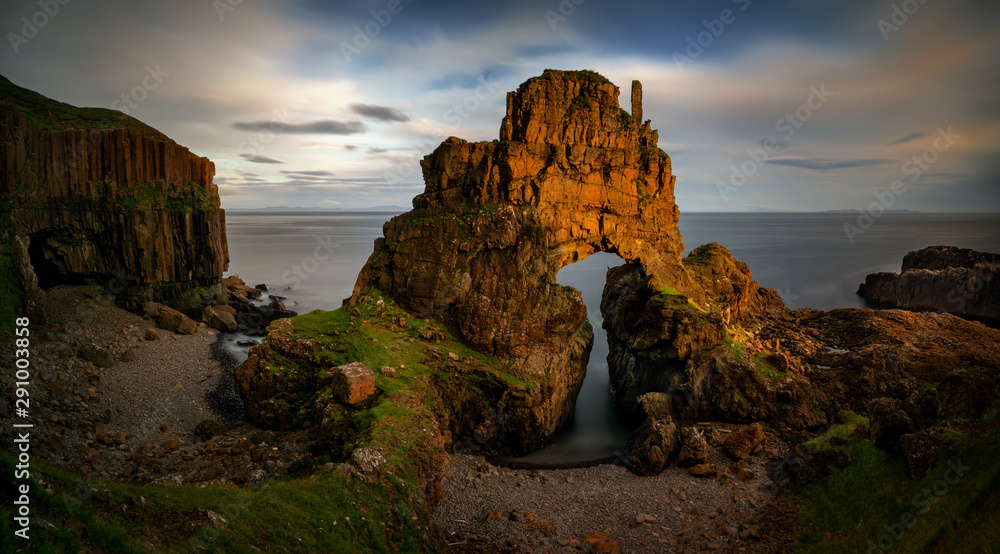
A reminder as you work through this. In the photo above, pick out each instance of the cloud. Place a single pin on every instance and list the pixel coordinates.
(321, 127)
(260, 159)
(381, 113)
(816, 162)
(908, 138)
(316, 173)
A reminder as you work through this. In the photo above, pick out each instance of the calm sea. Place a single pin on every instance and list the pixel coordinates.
(313, 259)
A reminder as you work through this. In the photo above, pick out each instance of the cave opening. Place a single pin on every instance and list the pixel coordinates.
(596, 432)
(46, 270)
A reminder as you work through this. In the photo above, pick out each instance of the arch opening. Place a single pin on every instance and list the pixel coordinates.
(596, 431)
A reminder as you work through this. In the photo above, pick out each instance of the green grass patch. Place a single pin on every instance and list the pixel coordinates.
(320, 513)
(874, 499)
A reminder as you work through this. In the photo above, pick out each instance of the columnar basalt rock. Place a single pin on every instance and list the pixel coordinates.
(97, 194)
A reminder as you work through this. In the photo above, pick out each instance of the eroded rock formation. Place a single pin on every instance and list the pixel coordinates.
(572, 174)
(941, 278)
(98, 195)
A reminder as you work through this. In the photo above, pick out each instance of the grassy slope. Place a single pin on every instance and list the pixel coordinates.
(295, 512)
(46, 114)
(852, 509)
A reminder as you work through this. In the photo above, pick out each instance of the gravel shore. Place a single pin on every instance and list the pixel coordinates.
(604, 508)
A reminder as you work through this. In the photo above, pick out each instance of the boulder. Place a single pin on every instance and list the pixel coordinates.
(170, 319)
(968, 392)
(652, 446)
(888, 422)
(742, 442)
(218, 320)
(694, 447)
(921, 451)
(352, 383)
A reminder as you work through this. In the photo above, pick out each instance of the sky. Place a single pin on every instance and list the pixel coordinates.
(783, 105)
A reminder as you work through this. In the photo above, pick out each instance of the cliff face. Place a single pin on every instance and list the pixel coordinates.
(959, 281)
(98, 195)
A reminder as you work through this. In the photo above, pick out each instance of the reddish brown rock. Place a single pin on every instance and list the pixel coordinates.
(218, 320)
(170, 319)
(352, 383)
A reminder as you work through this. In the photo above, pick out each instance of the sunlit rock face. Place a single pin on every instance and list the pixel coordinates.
(571, 174)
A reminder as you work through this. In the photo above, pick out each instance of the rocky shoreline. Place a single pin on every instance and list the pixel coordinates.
(117, 398)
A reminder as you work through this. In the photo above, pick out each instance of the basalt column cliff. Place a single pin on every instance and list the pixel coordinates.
(95, 194)
(572, 174)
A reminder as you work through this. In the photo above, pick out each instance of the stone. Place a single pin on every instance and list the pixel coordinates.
(98, 355)
(128, 355)
(742, 442)
(170, 319)
(218, 320)
(642, 519)
(453, 356)
(151, 334)
(389, 372)
(703, 470)
(352, 383)
(745, 474)
(694, 447)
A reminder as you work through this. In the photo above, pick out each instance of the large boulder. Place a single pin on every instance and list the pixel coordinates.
(652, 446)
(352, 383)
(170, 319)
(218, 319)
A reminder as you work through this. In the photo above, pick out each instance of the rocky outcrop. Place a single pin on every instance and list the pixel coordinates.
(571, 174)
(943, 279)
(97, 195)
(662, 340)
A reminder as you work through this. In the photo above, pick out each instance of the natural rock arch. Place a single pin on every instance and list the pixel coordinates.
(571, 174)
